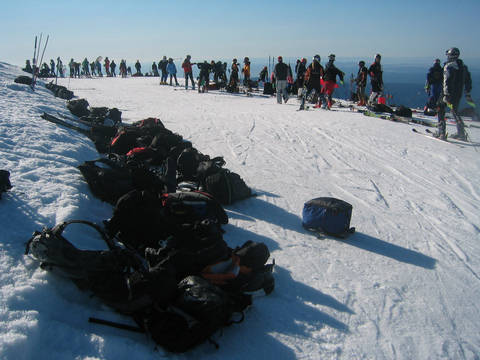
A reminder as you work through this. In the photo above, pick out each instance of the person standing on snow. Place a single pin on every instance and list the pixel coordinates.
(106, 63)
(330, 80)
(162, 65)
(187, 69)
(433, 85)
(246, 73)
(138, 67)
(154, 69)
(456, 78)
(281, 71)
(233, 84)
(361, 82)
(60, 67)
(300, 69)
(113, 66)
(376, 79)
(52, 67)
(313, 75)
(172, 71)
(204, 76)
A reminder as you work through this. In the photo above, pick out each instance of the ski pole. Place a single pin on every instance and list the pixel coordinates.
(34, 62)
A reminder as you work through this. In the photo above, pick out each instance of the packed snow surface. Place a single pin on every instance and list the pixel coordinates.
(406, 285)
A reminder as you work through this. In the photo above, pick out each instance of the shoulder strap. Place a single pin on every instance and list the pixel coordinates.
(58, 230)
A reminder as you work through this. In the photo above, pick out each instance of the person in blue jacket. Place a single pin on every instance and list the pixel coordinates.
(172, 71)
(433, 85)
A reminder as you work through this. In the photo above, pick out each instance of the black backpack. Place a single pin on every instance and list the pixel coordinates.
(199, 310)
(117, 276)
(78, 107)
(227, 187)
(403, 111)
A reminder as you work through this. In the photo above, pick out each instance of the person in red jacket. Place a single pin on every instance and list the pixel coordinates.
(187, 69)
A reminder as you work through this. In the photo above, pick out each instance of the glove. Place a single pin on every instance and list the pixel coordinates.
(427, 89)
(341, 82)
(469, 99)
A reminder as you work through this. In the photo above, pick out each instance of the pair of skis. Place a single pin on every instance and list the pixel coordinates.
(36, 53)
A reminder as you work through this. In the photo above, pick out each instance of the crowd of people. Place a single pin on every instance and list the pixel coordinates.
(315, 82)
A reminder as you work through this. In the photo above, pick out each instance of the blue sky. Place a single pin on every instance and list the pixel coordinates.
(147, 30)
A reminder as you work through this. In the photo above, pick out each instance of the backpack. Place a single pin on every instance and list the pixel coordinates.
(199, 310)
(327, 215)
(109, 180)
(117, 276)
(227, 187)
(403, 111)
(4, 181)
(380, 108)
(78, 107)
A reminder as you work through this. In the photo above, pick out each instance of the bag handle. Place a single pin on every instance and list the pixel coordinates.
(58, 230)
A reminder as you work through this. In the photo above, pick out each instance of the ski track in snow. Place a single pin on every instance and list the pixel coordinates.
(404, 286)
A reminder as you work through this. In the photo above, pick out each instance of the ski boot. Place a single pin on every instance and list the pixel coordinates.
(461, 134)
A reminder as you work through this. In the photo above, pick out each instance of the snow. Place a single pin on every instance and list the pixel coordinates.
(404, 286)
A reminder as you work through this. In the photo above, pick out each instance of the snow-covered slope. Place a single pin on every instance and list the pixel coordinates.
(404, 286)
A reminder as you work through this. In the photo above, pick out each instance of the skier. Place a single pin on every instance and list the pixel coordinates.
(330, 80)
(246, 73)
(300, 69)
(281, 71)
(71, 66)
(92, 68)
(433, 86)
(123, 68)
(219, 75)
(233, 84)
(456, 78)
(154, 69)
(376, 79)
(162, 65)
(52, 67)
(263, 76)
(99, 67)
(106, 63)
(313, 75)
(172, 71)
(187, 70)
(361, 82)
(113, 66)
(60, 67)
(85, 65)
(204, 77)
(138, 67)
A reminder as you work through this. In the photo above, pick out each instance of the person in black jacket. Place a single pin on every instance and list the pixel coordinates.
(376, 79)
(300, 69)
(281, 71)
(162, 66)
(361, 82)
(204, 76)
(456, 78)
(433, 85)
(330, 80)
(313, 75)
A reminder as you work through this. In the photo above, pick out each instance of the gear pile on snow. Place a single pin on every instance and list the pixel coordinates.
(167, 264)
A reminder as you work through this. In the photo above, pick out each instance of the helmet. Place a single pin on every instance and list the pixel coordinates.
(361, 63)
(331, 57)
(316, 58)
(234, 60)
(453, 53)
